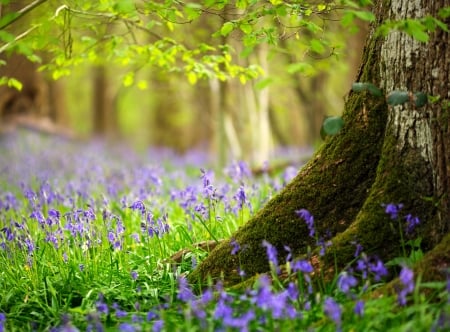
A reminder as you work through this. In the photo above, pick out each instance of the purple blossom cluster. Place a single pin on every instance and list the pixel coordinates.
(394, 210)
(89, 201)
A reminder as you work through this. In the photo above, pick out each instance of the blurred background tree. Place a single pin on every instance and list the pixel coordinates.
(235, 78)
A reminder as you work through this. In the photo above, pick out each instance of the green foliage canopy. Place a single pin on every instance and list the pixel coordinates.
(135, 34)
(140, 34)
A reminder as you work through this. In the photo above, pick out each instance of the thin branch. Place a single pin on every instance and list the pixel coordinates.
(19, 37)
(25, 10)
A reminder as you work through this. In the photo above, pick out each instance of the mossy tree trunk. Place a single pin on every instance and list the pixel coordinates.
(383, 155)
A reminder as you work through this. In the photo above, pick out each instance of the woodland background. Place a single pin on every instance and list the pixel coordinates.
(303, 78)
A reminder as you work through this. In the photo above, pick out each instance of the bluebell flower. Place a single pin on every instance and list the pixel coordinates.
(119, 312)
(241, 197)
(333, 310)
(151, 315)
(208, 188)
(359, 308)
(292, 291)
(411, 223)
(102, 307)
(223, 310)
(235, 247)
(271, 254)
(346, 281)
(309, 219)
(158, 326)
(302, 266)
(242, 322)
(207, 296)
(378, 269)
(323, 246)
(185, 294)
(393, 210)
(138, 205)
(2, 322)
(126, 327)
(358, 250)
(407, 279)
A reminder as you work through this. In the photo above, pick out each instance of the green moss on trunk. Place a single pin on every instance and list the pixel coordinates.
(332, 186)
(402, 177)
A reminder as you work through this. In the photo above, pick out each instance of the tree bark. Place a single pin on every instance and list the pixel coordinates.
(382, 155)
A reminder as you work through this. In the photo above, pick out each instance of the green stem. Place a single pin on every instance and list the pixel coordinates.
(207, 228)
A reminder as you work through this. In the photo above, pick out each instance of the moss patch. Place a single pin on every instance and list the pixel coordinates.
(332, 186)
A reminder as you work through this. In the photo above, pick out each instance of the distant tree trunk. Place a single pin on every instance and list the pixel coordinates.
(57, 102)
(103, 104)
(32, 100)
(382, 155)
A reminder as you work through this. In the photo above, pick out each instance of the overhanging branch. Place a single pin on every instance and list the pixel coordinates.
(25, 10)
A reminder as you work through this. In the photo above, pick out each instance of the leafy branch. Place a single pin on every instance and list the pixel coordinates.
(13, 17)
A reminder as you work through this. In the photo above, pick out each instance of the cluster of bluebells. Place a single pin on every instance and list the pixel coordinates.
(70, 196)
(394, 210)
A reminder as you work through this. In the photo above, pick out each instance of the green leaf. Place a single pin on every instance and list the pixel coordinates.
(373, 90)
(128, 79)
(246, 28)
(317, 46)
(227, 28)
(417, 30)
(444, 12)
(16, 84)
(364, 15)
(6, 36)
(263, 83)
(332, 125)
(359, 87)
(420, 99)
(302, 67)
(192, 77)
(397, 98)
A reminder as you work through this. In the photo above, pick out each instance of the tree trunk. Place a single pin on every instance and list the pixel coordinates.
(103, 110)
(382, 155)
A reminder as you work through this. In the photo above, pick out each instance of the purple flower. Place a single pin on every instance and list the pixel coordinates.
(393, 210)
(138, 205)
(151, 315)
(223, 310)
(323, 246)
(242, 322)
(358, 250)
(2, 321)
(378, 269)
(292, 291)
(158, 326)
(411, 223)
(184, 292)
(208, 188)
(407, 279)
(241, 196)
(134, 275)
(126, 327)
(102, 307)
(271, 254)
(119, 312)
(346, 281)
(302, 266)
(235, 247)
(333, 310)
(359, 308)
(309, 219)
